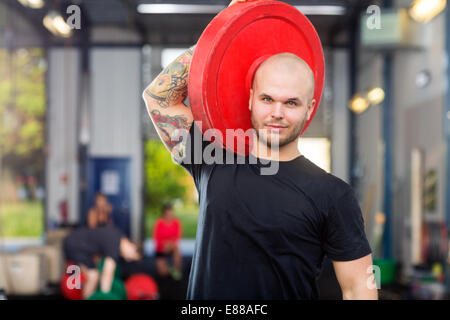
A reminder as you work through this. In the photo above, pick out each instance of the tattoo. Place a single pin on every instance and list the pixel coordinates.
(167, 124)
(170, 87)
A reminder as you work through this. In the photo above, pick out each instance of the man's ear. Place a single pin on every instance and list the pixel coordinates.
(311, 107)
(250, 100)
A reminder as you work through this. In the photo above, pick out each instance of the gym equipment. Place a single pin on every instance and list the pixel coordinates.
(53, 255)
(71, 293)
(117, 271)
(229, 52)
(98, 295)
(435, 243)
(117, 292)
(387, 270)
(141, 287)
(23, 273)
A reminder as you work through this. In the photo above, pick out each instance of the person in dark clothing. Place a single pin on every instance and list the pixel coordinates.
(261, 235)
(82, 245)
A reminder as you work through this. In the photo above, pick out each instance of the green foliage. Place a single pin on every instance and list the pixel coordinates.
(22, 219)
(164, 178)
(22, 110)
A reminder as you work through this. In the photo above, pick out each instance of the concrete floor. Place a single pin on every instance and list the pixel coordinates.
(170, 289)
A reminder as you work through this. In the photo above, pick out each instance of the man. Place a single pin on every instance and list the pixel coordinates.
(265, 236)
(166, 234)
(82, 245)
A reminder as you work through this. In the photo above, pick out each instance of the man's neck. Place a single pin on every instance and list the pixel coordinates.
(285, 153)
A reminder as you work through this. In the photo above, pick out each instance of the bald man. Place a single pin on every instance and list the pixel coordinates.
(264, 236)
(283, 80)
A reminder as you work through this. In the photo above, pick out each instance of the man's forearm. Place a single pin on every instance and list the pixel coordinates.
(170, 86)
(107, 277)
(360, 293)
(164, 100)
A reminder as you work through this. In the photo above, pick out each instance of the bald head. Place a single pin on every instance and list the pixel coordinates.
(289, 65)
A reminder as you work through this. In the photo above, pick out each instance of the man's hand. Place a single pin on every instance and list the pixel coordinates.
(235, 1)
(169, 245)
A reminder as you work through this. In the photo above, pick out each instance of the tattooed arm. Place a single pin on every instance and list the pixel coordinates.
(164, 100)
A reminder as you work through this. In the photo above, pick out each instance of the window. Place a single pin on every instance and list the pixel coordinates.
(22, 125)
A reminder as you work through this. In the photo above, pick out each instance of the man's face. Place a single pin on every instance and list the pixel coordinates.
(281, 102)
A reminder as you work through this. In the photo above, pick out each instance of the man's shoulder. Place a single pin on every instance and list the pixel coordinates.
(338, 186)
(325, 183)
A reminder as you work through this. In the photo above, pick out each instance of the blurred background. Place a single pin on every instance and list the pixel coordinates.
(73, 123)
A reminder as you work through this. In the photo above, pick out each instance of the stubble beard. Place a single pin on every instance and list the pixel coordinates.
(266, 139)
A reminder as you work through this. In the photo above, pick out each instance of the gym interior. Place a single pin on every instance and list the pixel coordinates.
(73, 123)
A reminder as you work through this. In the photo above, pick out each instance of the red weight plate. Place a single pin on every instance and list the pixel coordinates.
(228, 53)
(71, 293)
(141, 287)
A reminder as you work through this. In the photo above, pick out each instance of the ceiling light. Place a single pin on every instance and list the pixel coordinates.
(34, 4)
(375, 95)
(358, 104)
(425, 10)
(160, 8)
(56, 24)
(322, 10)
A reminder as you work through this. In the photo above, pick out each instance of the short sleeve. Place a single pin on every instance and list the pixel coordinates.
(192, 159)
(344, 237)
(179, 230)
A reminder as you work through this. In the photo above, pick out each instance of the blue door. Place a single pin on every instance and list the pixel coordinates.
(111, 176)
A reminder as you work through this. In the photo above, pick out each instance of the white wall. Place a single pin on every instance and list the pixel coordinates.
(62, 154)
(341, 131)
(116, 115)
(370, 155)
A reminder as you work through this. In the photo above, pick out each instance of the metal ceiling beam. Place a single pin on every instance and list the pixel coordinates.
(165, 8)
(354, 10)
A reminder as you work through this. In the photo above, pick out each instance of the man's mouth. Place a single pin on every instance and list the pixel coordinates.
(275, 127)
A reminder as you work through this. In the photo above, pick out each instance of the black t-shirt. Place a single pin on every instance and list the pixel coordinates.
(265, 236)
(81, 244)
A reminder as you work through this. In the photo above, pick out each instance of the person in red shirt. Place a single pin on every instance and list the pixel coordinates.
(166, 234)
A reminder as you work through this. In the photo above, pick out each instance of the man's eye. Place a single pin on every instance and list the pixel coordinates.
(267, 99)
(292, 103)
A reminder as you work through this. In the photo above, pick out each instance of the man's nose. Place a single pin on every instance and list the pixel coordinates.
(277, 111)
